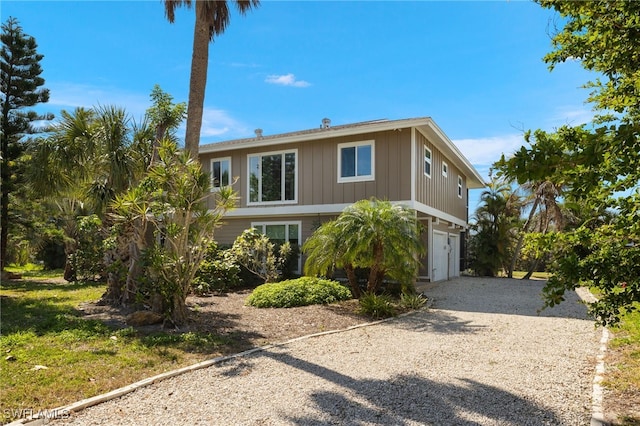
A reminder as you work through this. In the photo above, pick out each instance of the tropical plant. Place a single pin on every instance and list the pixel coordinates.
(255, 252)
(170, 203)
(544, 210)
(377, 306)
(597, 165)
(212, 19)
(20, 88)
(492, 237)
(374, 234)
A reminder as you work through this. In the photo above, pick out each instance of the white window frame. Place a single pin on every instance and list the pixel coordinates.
(220, 185)
(427, 160)
(460, 186)
(445, 169)
(357, 178)
(295, 179)
(287, 223)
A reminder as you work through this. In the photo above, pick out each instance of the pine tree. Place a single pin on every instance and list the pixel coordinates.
(21, 87)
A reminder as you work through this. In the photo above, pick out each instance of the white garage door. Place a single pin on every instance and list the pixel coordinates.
(440, 256)
(454, 255)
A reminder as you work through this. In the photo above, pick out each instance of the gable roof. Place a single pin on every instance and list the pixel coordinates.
(424, 125)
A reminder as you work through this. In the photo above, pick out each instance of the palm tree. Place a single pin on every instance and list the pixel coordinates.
(495, 221)
(370, 234)
(212, 18)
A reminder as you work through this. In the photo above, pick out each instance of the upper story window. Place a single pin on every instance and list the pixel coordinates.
(459, 186)
(273, 177)
(356, 161)
(220, 173)
(427, 161)
(445, 169)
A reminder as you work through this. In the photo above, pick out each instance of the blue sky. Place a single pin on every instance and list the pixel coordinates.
(475, 67)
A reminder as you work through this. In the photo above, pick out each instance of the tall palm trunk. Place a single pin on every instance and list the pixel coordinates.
(523, 232)
(198, 80)
(353, 281)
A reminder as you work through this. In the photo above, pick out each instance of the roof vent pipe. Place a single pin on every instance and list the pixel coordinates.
(326, 123)
(258, 133)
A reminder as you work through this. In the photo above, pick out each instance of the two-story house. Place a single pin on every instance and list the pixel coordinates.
(290, 183)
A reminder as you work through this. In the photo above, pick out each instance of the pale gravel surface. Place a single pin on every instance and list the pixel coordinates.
(480, 356)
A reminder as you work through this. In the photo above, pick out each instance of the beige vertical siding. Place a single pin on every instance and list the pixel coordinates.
(438, 191)
(318, 174)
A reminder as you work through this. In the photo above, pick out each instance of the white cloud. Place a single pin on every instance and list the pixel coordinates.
(217, 122)
(482, 152)
(286, 80)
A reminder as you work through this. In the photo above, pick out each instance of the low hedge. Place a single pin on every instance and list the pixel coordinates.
(298, 292)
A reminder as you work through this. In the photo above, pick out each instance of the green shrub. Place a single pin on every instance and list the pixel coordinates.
(377, 306)
(298, 292)
(412, 300)
(219, 271)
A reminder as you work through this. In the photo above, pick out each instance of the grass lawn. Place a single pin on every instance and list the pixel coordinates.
(535, 276)
(623, 367)
(40, 326)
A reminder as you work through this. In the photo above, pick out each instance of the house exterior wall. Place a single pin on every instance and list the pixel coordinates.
(317, 163)
(398, 176)
(438, 191)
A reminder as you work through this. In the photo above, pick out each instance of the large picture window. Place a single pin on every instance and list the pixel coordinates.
(220, 173)
(272, 177)
(356, 161)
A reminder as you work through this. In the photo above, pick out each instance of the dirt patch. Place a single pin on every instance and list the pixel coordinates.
(227, 315)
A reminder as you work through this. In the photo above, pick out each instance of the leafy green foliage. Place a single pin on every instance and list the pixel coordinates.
(298, 292)
(493, 237)
(254, 251)
(412, 300)
(370, 234)
(598, 166)
(219, 271)
(603, 36)
(377, 306)
(88, 258)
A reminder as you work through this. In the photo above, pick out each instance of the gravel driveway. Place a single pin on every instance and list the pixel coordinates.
(481, 355)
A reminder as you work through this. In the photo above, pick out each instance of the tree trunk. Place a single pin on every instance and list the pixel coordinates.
(133, 273)
(198, 80)
(525, 227)
(353, 281)
(4, 223)
(376, 273)
(179, 312)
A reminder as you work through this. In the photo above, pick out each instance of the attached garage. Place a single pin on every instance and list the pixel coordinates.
(440, 256)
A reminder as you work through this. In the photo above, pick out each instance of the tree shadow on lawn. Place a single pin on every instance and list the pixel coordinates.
(408, 398)
(48, 315)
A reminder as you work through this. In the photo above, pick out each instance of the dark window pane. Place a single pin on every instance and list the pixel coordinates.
(290, 176)
(272, 178)
(215, 174)
(364, 160)
(254, 180)
(348, 162)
